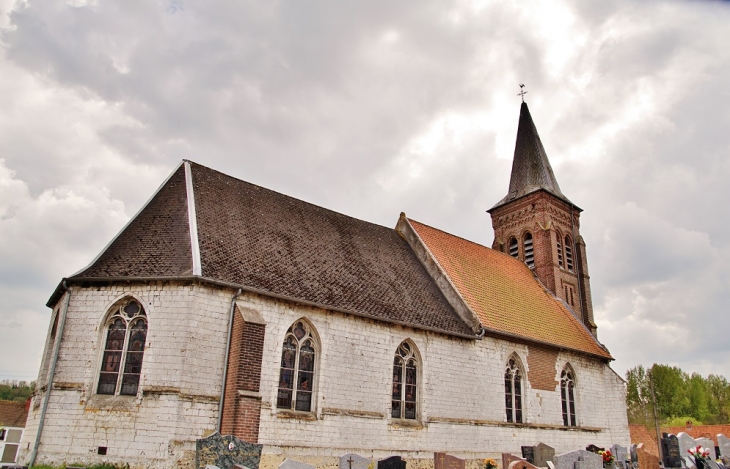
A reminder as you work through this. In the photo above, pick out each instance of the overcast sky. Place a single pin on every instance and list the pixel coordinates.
(370, 109)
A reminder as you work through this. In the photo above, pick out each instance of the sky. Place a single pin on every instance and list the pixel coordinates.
(372, 109)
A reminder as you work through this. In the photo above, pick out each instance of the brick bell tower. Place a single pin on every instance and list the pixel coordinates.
(537, 224)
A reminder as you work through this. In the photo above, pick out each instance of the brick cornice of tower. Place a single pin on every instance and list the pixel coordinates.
(542, 208)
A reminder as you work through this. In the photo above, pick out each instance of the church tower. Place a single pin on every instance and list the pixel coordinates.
(539, 225)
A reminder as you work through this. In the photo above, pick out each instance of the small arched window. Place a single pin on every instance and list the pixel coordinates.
(296, 377)
(560, 250)
(529, 252)
(405, 383)
(513, 248)
(569, 253)
(121, 365)
(513, 391)
(567, 395)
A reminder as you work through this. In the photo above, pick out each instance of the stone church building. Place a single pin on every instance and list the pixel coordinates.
(224, 306)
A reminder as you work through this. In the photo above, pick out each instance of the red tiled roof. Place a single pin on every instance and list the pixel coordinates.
(13, 414)
(505, 295)
(640, 434)
(700, 431)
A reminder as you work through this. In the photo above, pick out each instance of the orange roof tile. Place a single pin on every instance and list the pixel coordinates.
(504, 293)
(640, 434)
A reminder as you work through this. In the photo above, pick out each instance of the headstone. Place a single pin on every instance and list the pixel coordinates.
(393, 462)
(686, 442)
(725, 460)
(551, 465)
(528, 454)
(709, 445)
(521, 465)
(689, 462)
(226, 451)
(671, 452)
(621, 453)
(713, 464)
(580, 459)
(543, 454)
(354, 461)
(507, 459)
(594, 449)
(294, 464)
(446, 461)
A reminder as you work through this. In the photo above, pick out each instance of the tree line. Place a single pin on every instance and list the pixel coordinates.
(16, 391)
(680, 396)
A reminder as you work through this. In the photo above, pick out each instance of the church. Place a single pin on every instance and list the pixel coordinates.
(226, 307)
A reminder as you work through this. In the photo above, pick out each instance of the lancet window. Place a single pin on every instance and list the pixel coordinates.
(513, 391)
(567, 395)
(569, 253)
(560, 251)
(405, 383)
(296, 376)
(529, 251)
(513, 248)
(121, 364)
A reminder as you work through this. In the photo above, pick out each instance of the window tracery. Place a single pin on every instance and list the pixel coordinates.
(513, 391)
(567, 395)
(121, 364)
(405, 383)
(296, 377)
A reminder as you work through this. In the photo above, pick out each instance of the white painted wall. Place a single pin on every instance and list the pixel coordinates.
(461, 403)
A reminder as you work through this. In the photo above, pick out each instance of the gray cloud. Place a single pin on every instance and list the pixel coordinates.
(372, 110)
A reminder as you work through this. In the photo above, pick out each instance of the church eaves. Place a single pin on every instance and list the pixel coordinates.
(531, 170)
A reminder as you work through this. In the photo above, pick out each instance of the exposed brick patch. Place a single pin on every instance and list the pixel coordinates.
(541, 364)
(241, 413)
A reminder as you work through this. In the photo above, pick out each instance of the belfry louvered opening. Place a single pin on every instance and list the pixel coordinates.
(529, 250)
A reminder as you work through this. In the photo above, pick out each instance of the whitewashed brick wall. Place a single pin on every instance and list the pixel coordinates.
(461, 388)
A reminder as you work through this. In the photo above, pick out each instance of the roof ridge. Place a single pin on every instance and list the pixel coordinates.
(290, 196)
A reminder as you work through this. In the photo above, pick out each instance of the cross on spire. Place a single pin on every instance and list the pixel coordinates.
(522, 92)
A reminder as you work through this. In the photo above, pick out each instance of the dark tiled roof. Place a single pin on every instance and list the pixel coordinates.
(531, 170)
(13, 414)
(268, 241)
(156, 242)
(505, 295)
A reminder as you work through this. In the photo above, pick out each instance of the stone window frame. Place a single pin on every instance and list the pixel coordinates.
(413, 354)
(312, 335)
(568, 396)
(528, 251)
(516, 369)
(113, 312)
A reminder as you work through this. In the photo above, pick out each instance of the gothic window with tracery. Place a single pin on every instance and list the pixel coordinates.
(296, 377)
(513, 391)
(569, 253)
(529, 251)
(567, 395)
(121, 364)
(405, 383)
(513, 248)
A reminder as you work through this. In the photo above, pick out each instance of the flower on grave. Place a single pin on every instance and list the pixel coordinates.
(608, 457)
(490, 463)
(699, 452)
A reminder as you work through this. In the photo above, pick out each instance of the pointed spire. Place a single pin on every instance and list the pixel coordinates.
(531, 170)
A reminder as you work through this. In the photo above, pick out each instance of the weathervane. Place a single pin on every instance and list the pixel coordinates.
(522, 92)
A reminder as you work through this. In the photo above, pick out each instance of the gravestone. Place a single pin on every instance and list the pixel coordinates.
(621, 453)
(724, 443)
(294, 464)
(686, 442)
(528, 454)
(689, 462)
(543, 453)
(709, 445)
(226, 451)
(446, 461)
(580, 459)
(725, 460)
(522, 464)
(354, 461)
(393, 462)
(507, 459)
(670, 450)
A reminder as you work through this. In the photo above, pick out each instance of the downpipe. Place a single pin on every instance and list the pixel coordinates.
(225, 359)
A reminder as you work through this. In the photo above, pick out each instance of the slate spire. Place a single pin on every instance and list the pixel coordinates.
(531, 170)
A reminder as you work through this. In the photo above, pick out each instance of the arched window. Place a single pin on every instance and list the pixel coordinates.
(529, 252)
(567, 395)
(513, 391)
(513, 249)
(121, 364)
(560, 250)
(405, 383)
(296, 378)
(569, 253)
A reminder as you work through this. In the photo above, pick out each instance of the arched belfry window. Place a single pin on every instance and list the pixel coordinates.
(513, 248)
(121, 365)
(560, 250)
(405, 383)
(529, 251)
(296, 378)
(569, 253)
(513, 391)
(567, 396)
